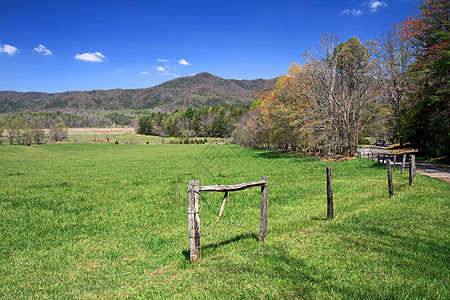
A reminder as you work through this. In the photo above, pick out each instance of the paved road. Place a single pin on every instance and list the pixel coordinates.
(437, 171)
(433, 170)
(373, 149)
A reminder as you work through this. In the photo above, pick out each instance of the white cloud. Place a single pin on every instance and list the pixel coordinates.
(119, 70)
(183, 62)
(165, 73)
(353, 12)
(144, 73)
(42, 49)
(92, 57)
(161, 69)
(163, 60)
(10, 50)
(374, 5)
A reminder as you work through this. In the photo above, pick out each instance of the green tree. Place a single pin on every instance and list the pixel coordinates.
(14, 130)
(2, 128)
(429, 110)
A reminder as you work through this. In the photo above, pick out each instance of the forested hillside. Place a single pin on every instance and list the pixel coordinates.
(196, 91)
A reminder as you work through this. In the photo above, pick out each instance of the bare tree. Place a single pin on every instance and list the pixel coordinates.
(394, 57)
(58, 132)
(206, 123)
(343, 83)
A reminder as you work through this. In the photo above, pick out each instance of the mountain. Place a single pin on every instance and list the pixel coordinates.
(196, 91)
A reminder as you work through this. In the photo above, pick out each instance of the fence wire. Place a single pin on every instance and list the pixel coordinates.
(222, 218)
(297, 213)
(293, 181)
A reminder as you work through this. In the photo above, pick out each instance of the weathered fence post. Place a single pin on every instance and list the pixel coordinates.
(403, 164)
(329, 195)
(378, 158)
(389, 176)
(194, 221)
(412, 169)
(264, 210)
(395, 160)
(222, 208)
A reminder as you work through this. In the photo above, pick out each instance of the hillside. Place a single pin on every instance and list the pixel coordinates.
(196, 91)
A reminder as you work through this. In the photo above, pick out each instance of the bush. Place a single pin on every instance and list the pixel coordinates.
(116, 142)
(362, 140)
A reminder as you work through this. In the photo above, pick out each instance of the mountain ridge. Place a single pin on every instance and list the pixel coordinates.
(203, 89)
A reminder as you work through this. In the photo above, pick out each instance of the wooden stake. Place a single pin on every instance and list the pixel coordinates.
(329, 194)
(395, 160)
(403, 164)
(264, 210)
(194, 221)
(222, 207)
(412, 169)
(389, 175)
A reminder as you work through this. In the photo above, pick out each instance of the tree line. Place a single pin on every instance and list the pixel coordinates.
(28, 130)
(400, 80)
(203, 122)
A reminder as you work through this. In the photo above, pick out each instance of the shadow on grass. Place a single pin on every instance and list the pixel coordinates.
(271, 154)
(214, 246)
(276, 154)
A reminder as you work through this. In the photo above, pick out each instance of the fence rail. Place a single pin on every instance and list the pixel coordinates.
(194, 219)
(195, 190)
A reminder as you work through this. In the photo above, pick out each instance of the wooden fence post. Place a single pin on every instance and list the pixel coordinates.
(378, 158)
(329, 195)
(395, 160)
(389, 175)
(194, 221)
(264, 210)
(403, 164)
(412, 169)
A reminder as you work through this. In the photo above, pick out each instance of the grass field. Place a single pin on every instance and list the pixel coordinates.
(83, 221)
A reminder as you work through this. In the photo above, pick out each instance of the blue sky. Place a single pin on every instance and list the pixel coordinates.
(55, 46)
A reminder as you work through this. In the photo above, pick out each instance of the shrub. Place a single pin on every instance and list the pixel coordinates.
(363, 140)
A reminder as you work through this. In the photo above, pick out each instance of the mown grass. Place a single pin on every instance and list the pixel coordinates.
(110, 221)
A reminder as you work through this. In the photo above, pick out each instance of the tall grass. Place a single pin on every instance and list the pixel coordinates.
(110, 221)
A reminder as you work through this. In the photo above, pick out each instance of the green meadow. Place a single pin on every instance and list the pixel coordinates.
(84, 221)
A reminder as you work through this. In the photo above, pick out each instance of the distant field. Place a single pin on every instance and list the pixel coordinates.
(125, 135)
(101, 130)
(121, 135)
(97, 220)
